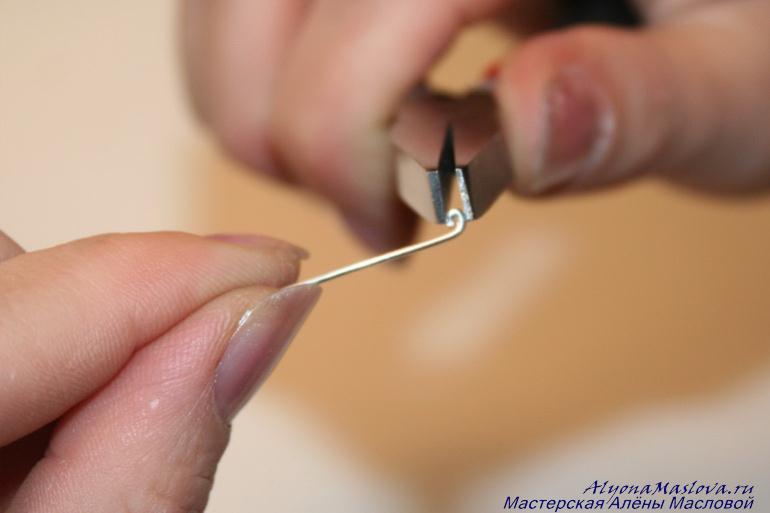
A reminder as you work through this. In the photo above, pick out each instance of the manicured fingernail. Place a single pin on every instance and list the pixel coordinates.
(263, 333)
(260, 242)
(578, 128)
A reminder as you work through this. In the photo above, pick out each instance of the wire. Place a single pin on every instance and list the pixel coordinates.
(455, 220)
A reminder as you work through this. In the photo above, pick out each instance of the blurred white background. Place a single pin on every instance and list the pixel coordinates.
(621, 337)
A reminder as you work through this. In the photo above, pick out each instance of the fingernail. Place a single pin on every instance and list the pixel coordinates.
(578, 128)
(262, 335)
(260, 242)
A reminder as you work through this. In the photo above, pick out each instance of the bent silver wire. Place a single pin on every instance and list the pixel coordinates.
(455, 220)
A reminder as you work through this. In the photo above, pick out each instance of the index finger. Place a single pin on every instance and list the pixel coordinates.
(71, 316)
(232, 52)
(350, 68)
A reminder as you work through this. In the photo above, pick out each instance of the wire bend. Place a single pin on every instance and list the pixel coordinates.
(455, 220)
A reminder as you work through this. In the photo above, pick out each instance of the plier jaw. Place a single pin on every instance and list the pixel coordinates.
(478, 162)
(427, 191)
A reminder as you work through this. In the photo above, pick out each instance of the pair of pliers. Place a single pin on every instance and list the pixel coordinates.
(465, 134)
(472, 154)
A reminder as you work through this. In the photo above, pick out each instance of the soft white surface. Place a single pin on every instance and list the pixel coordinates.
(448, 332)
(280, 459)
(723, 439)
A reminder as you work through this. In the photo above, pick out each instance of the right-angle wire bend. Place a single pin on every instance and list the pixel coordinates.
(455, 220)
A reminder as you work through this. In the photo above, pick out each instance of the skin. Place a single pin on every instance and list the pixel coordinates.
(109, 356)
(306, 90)
(110, 346)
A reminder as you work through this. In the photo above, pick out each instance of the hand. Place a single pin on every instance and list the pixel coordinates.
(123, 359)
(307, 90)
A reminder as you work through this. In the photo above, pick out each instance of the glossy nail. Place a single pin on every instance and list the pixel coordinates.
(578, 128)
(262, 335)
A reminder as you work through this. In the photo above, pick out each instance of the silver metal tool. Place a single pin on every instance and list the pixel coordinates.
(479, 165)
(472, 154)
(479, 182)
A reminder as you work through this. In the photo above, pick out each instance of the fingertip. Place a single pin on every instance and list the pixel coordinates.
(131, 288)
(349, 165)
(248, 144)
(557, 111)
(139, 260)
(158, 417)
(381, 235)
(263, 333)
(254, 241)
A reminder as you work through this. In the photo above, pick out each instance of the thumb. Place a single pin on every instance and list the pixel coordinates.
(151, 439)
(593, 106)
